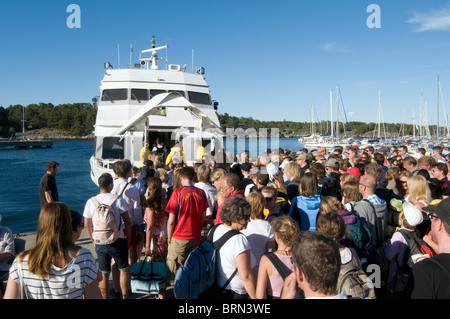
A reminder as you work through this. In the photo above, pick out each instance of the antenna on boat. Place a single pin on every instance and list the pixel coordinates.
(131, 53)
(154, 57)
(118, 55)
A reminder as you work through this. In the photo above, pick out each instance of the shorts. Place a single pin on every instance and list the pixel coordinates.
(117, 251)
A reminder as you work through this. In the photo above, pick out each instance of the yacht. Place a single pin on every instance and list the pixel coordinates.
(143, 102)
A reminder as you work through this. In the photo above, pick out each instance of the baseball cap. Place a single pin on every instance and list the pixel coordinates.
(412, 214)
(301, 157)
(333, 163)
(354, 171)
(441, 210)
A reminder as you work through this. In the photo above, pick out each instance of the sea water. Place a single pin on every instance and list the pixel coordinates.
(21, 171)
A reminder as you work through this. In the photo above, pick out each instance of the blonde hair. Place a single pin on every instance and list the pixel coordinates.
(418, 189)
(257, 202)
(292, 169)
(286, 229)
(330, 204)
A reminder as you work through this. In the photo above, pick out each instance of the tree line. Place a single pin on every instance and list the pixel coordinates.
(78, 119)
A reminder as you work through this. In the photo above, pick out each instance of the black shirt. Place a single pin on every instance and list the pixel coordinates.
(48, 183)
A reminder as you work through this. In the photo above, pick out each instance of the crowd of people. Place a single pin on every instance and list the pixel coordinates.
(311, 224)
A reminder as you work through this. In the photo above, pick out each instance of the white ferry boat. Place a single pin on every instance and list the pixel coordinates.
(143, 102)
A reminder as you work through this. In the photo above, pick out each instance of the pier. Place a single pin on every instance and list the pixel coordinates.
(23, 144)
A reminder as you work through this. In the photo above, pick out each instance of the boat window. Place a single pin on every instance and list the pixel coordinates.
(199, 98)
(139, 94)
(114, 95)
(156, 92)
(113, 148)
(181, 92)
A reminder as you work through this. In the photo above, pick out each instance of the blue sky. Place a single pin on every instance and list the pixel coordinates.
(268, 59)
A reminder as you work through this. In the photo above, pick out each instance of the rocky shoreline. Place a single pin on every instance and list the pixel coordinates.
(54, 134)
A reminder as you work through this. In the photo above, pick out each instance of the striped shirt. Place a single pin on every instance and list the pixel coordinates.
(62, 283)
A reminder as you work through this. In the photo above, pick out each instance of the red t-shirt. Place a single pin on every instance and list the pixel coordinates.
(189, 202)
(218, 220)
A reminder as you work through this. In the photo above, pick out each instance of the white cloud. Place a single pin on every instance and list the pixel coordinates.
(438, 19)
(333, 47)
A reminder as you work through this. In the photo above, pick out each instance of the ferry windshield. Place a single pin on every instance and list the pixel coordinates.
(139, 94)
(114, 95)
(113, 147)
(199, 98)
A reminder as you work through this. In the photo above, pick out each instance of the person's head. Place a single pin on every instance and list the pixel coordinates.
(291, 170)
(187, 175)
(392, 173)
(317, 262)
(410, 216)
(351, 153)
(375, 170)
(235, 213)
(54, 239)
(285, 229)
(309, 185)
(345, 178)
(403, 180)
(332, 165)
(378, 158)
(439, 170)
(122, 168)
(437, 151)
(230, 184)
(204, 173)
(402, 150)
(154, 198)
(330, 204)
(216, 177)
(351, 192)
(270, 195)
(318, 169)
(440, 223)
(106, 182)
(332, 224)
(425, 162)
(409, 163)
(77, 224)
(52, 168)
(367, 185)
(418, 189)
(162, 174)
(257, 202)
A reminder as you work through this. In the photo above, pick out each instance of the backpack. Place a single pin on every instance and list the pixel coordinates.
(353, 281)
(360, 237)
(199, 270)
(417, 247)
(105, 229)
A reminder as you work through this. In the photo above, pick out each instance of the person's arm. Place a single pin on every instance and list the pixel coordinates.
(290, 287)
(92, 291)
(88, 227)
(48, 196)
(12, 289)
(170, 226)
(127, 226)
(263, 278)
(149, 214)
(243, 262)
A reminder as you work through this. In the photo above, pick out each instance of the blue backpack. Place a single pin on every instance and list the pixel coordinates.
(199, 270)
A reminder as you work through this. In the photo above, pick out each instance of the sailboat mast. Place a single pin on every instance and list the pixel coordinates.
(331, 113)
(437, 124)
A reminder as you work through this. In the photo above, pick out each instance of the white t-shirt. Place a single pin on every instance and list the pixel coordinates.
(227, 259)
(259, 232)
(62, 283)
(211, 193)
(133, 199)
(119, 207)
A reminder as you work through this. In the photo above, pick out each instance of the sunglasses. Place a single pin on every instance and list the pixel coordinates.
(431, 216)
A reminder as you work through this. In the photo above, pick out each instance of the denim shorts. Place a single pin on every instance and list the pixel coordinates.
(117, 251)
